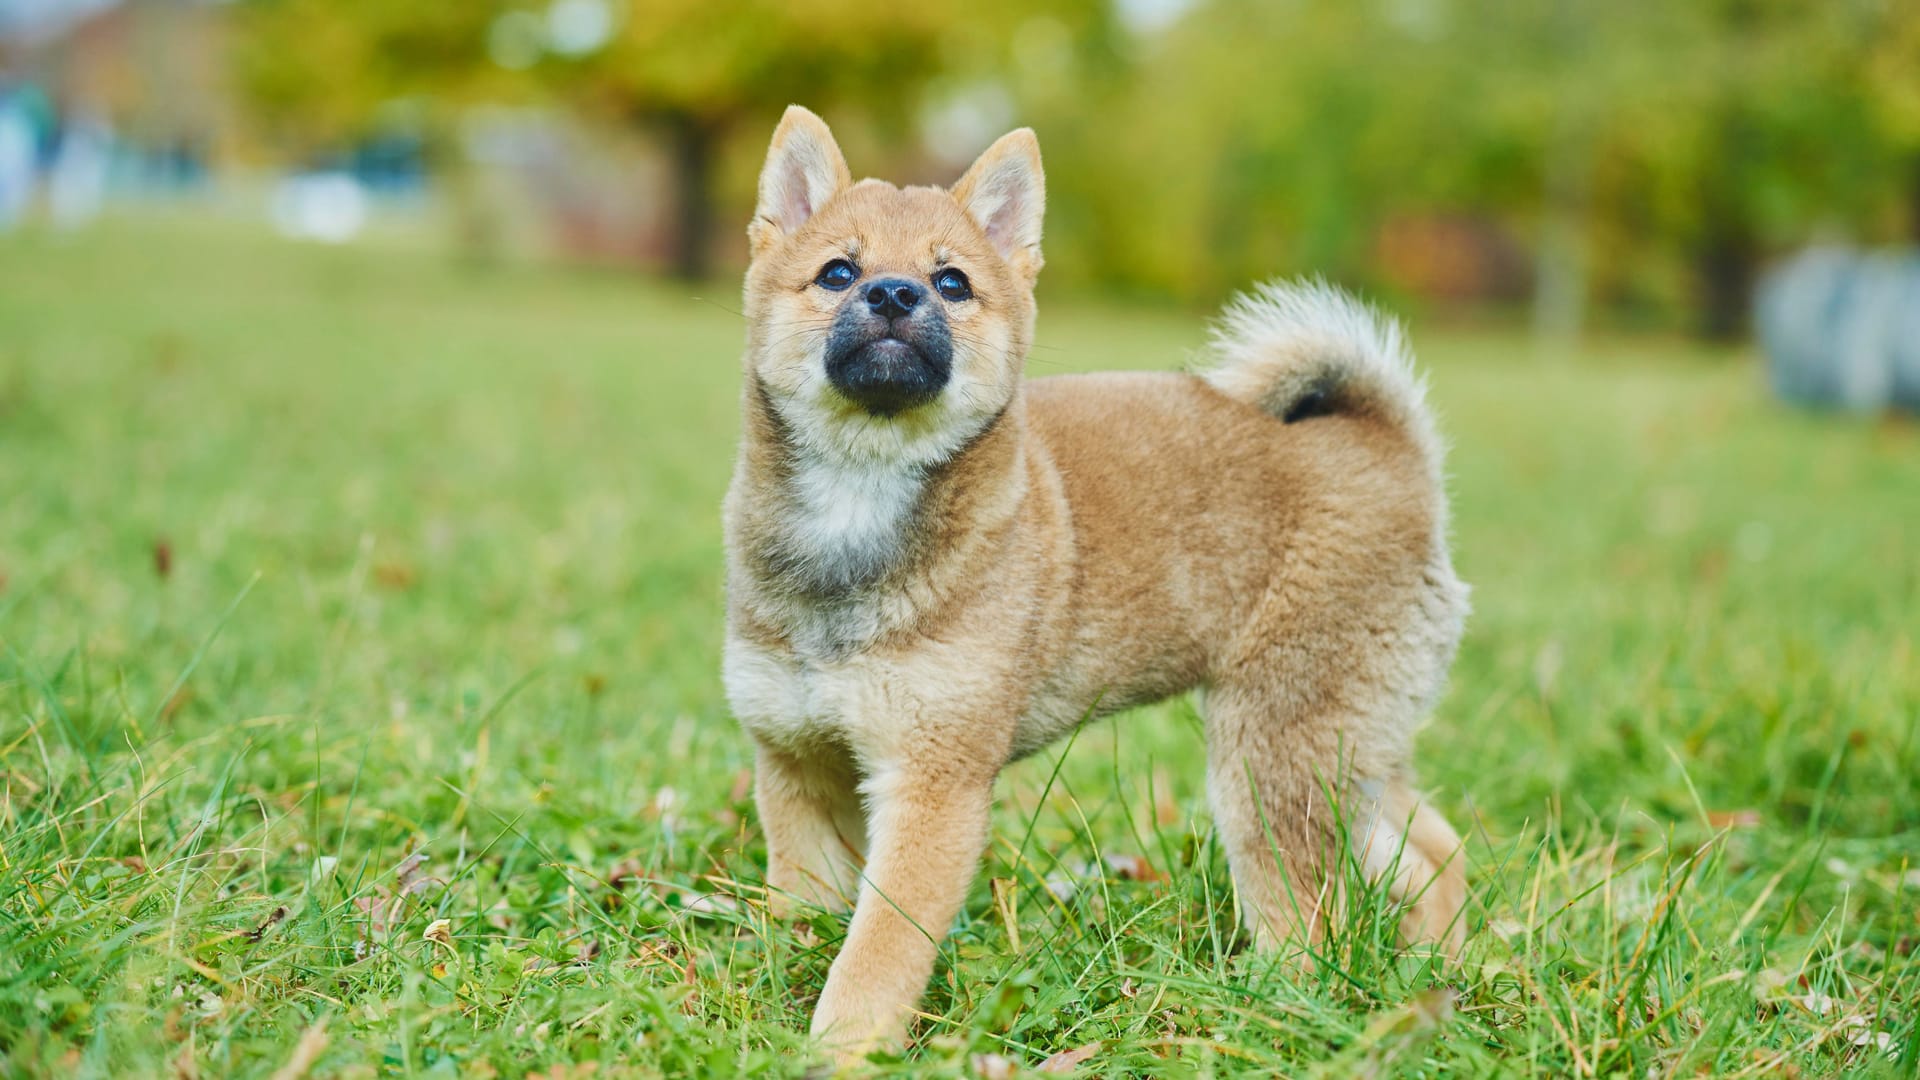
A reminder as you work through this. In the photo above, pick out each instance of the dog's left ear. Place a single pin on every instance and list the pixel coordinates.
(1006, 192)
(804, 169)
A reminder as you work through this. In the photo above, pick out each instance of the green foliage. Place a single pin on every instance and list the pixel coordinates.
(359, 654)
(320, 74)
(1282, 137)
(1674, 146)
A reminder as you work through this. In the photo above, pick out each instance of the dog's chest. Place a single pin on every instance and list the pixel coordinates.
(796, 702)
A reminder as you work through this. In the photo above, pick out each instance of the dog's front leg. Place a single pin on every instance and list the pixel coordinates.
(928, 829)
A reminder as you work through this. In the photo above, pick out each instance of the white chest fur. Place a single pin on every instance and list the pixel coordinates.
(851, 519)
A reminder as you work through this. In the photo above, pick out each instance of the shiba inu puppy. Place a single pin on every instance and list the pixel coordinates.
(936, 567)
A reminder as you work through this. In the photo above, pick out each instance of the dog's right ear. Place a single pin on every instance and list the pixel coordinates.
(804, 169)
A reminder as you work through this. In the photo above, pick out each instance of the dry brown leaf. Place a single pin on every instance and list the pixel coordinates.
(379, 910)
(1066, 1060)
(1733, 819)
(273, 919)
(1134, 868)
(710, 904)
(408, 870)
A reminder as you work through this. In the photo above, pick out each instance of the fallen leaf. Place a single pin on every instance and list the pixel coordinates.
(408, 870)
(710, 904)
(1134, 868)
(396, 576)
(273, 919)
(378, 909)
(1868, 1037)
(1065, 1060)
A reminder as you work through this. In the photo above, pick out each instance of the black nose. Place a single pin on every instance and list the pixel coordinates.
(893, 297)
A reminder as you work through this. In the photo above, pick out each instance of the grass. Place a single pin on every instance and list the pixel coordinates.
(362, 716)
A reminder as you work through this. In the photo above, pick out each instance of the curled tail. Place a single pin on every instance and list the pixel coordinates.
(1305, 349)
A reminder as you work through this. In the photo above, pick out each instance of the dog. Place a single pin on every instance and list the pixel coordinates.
(936, 567)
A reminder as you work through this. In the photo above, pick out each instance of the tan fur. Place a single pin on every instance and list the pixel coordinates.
(916, 601)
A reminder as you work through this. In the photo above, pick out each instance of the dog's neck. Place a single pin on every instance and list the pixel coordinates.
(819, 532)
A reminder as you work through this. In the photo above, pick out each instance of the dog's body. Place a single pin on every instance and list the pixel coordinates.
(936, 568)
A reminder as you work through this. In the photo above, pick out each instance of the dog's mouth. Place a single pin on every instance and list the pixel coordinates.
(888, 375)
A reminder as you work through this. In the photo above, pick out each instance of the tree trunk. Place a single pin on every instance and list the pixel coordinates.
(1726, 255)
(1560, 251)
(1560, 263)
(694, 143)
(1913, 200)
(1724, 267)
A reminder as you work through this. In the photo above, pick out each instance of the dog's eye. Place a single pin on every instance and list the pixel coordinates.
(952, 284)
(836, 275)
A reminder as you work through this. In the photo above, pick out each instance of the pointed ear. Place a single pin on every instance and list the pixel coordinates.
(804, 169)
(1006, 192)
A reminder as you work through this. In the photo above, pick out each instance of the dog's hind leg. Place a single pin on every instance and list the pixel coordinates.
(1399, 838)
(1288, 789)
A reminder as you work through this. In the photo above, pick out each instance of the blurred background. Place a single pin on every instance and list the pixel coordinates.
(1559, 164)
(369, 384)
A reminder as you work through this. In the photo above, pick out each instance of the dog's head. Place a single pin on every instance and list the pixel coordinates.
(890, 323)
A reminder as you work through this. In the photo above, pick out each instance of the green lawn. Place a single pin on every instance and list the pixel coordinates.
(346, 591)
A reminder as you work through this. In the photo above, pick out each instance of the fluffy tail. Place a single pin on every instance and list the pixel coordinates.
(1305, 349)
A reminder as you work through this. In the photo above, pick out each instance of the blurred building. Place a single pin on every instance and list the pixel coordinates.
(153, 70)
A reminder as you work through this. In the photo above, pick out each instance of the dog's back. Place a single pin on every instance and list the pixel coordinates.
(1288, 500)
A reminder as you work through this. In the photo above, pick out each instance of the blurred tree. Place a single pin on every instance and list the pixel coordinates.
(694, 73)
(1892, 73)
(321, 74)
(700, 72)
(1649, 155)
(1762, 137)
